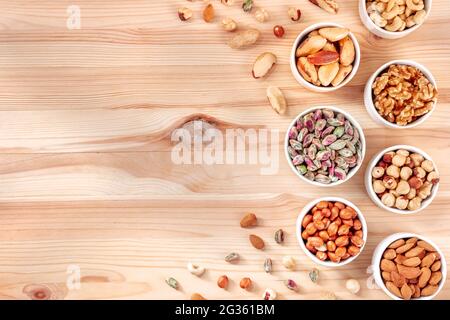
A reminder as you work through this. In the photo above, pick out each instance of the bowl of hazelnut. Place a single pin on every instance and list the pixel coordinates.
(331, 231)
(402, 179)
(393, 19)
(408, 266)
(325, 57)
(400, 94)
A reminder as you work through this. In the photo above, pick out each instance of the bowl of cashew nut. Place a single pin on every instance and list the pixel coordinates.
(393, 19)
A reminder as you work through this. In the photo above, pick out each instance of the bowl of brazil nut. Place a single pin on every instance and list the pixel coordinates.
(409, 266)
(331, 231)
(324, 146)
(400, 94)
(402, 179)
(325, 57)
(393, 19)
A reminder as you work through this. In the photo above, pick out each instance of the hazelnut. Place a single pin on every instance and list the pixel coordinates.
(409, 162)
(184, 14)
(382, 164)
(405, 173)
(388, 200)
(411, 194)
(229, 24)
(401, 203)
(402, 187)
(427, 165)
(377, 172)
(389, 183)
(415, 182)
(394, 193)
(403, 152)
(416, 159)
(245, 283)
(222, 282)
(419, 172)
(261, 15)
(378, 186)
(294, 13)
(399, 160)
(393, 171)
(387, 157)
(425, 190)
(433, 177)
(414, 203)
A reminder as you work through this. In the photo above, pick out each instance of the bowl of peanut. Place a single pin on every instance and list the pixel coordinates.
(400, 94)
(402, 179)
(331, 231)
(409, 266)
(325, 57)
(393, 19)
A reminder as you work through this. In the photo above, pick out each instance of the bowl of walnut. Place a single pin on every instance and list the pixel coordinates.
(400, 94)
(408, 266)
(325, 57)
(402, 179)
(393, 19)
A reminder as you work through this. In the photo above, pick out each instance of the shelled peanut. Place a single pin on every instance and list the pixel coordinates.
(332, 231)
(403, 180)
(411, 268)
(326, 56)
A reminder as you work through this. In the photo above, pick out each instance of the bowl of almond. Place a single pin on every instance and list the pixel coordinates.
(331, 231)
(325, 57)
(400, 94)
(409, 266)
(402, 179)
(393, 19)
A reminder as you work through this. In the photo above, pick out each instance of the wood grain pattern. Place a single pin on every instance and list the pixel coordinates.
(85, 171)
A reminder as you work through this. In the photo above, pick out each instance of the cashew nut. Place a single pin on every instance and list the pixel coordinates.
(419, 17)
(388, 15)
(395, 25)
(415, 5)
(195, 269)
(390, 5)
(410, 22)
(378, 19)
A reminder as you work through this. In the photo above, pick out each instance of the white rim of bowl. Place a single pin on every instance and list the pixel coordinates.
(299, 228)
(404, 32)
(379, 255)
(351, 172)
(369, 187)
(411, 63)
(302, 35)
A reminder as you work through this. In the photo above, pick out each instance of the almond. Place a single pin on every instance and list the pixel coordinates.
(307, 70)
(424, 277)
(435, 278)
(310, 45)
(404, 248)
(436, 266)
(399, 259)
(426, 245)
(393, 289)
(256, 241)
(343, 72)
(334, 34)
(389, 254)
(406, 292)
(414, 252)
(388, 265)
(327, 73)
(416, 293)
(323, 57)
(263, 64)
(197, 296)
(386, 275)
(428, 290)
(428, 260)
(412, 262)
(412, 240)
(408, 272)
(397, 279)
(347, 49)
(396, 244)
(208, 13)
(249, 220)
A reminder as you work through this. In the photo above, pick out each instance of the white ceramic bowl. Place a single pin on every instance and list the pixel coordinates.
(368, 96)
(373, 195)
(383, 33)
(378, 255)
(293, 59)
(299, 230)
(352, 171)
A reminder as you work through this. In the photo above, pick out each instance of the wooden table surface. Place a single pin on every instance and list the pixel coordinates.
(86, 178)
